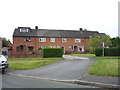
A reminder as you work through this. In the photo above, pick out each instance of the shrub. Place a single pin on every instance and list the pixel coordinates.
(98, 51)
(33, 52)
(52, 52)
(40, 48)
(113, 51)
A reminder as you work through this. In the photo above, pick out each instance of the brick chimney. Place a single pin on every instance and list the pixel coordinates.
(36, 27)
(81, 30)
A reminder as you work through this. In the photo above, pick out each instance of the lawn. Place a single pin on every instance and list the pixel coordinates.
(28, 64)
(105, 67)
(93, 55)
(36, 58)
(83, 55)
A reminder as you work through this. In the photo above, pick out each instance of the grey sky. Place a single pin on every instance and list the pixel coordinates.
(95, 15)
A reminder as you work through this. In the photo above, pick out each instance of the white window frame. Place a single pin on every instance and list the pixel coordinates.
(52, 39)
(77, 40)
(23, 29)
(64, 39)
(42, 39)
(27, 39)
(58, 46)
(83, 48)
(54, 46)
(50, 46)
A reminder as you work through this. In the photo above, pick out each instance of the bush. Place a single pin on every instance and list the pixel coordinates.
(52, 52)
(113, 51)
(98, 51)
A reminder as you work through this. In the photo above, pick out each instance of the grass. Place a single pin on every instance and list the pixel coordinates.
(31, 64)
(84, 55)
(93, 55)
(36, 58)
(105, 67)
(107, 57)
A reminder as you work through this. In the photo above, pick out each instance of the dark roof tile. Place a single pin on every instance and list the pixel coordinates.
(55, 33)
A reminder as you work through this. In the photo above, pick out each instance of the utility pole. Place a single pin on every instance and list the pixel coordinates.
(103, 50)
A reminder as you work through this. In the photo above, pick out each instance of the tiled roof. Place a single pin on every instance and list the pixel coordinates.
(55, 33)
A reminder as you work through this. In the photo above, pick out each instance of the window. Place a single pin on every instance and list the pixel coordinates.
(23, 29)
(64, 40)
(77, 40)
(20, 48)
(58, 46)
(50, 46)
(17, 48)
(81, 48)
(52, 39)
(42, 39)
(30, 48)
(54, 46)
(27, 39)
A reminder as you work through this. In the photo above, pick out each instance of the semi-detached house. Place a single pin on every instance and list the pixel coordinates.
(27, 40)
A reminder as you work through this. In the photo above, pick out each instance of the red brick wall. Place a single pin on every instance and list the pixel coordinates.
(26, 56)
(35, 42)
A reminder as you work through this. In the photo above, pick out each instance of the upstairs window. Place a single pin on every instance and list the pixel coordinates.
(27, 39)
(23, 29)
(77, 40)
(42, 40)
(52, 39)
(64, 39)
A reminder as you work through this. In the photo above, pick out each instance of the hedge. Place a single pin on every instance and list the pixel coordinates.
(52, 52)
(113, 51)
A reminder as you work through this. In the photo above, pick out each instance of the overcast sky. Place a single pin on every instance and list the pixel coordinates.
(94, 15)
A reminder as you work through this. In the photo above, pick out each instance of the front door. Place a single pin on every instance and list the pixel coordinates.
(74, 48)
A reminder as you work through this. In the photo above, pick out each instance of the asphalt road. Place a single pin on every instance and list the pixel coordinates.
(64, 70)
(9, 81)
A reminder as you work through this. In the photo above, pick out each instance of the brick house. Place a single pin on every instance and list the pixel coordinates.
(27, 40)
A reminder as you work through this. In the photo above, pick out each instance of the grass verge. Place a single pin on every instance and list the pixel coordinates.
(31, 64)
(36, 58)
(105, 67)
(83, 55)
(93, 55)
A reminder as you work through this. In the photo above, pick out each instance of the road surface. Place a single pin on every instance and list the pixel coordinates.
(10, 81)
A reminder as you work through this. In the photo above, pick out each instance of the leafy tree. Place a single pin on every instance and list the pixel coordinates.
(115, 42)
(96, 42)
(5, 42)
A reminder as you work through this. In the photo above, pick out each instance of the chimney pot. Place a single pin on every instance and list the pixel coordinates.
(81, 29)
(36, 27)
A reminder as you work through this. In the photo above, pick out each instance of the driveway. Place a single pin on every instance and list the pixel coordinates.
(72, 68)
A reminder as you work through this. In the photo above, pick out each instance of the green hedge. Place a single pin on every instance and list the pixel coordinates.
(113, 51)
(52, 52)
(98, 51)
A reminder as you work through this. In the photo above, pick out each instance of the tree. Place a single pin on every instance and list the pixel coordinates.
(5, 42)
(115, 42)
(96, 42)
